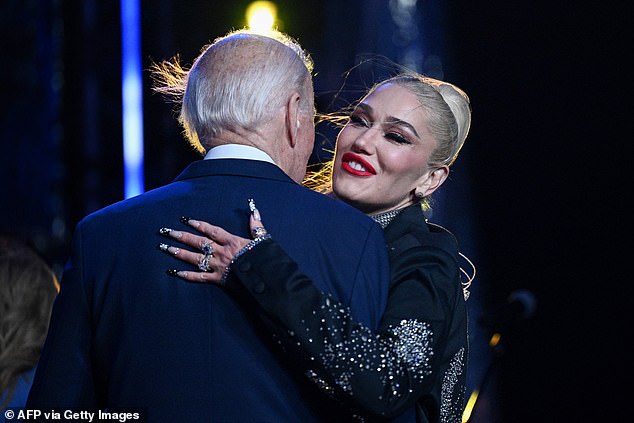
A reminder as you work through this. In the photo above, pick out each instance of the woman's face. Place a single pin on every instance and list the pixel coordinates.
(383, 151)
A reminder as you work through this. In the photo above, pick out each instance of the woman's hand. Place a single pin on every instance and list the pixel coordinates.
(216, 247)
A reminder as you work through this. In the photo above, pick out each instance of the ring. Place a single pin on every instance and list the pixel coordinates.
(203, 264)
(258, 232)
(208, 249)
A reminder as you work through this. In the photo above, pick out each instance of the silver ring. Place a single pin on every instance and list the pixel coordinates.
(203, 264)
(208, 249)
(258, 232)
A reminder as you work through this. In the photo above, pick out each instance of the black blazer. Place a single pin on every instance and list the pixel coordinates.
(125, 334)
(414, 365)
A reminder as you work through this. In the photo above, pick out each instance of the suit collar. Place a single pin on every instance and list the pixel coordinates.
(234, 167)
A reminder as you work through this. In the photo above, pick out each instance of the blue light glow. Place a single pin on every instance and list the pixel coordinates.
(132, 97)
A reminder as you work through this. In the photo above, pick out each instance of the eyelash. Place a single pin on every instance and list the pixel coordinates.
(397, 138)
(392, 136)
(358, 121)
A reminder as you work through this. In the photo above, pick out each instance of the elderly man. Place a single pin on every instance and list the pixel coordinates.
(124, 334)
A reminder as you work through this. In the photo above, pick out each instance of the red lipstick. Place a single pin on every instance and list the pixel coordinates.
(351, 157)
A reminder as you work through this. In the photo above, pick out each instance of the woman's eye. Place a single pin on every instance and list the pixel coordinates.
(397, 138)
(358, 120)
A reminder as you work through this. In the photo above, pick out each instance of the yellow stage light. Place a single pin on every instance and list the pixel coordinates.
(261, 16)
(466, 415)
(495, 340)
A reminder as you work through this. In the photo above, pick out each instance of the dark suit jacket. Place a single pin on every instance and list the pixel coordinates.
(125, 334)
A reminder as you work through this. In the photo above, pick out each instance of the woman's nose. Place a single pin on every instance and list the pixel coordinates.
(366, 141)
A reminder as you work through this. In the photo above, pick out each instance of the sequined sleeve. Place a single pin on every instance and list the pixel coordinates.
(378, 373)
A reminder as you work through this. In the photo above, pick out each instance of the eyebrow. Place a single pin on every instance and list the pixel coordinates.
(390, 119)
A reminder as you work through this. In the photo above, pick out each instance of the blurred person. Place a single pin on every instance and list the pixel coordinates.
(27, 290)
(123, 337)
(393, 153)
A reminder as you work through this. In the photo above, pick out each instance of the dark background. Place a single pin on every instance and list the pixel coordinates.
(539, 197)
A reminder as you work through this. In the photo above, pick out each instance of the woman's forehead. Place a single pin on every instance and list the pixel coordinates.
(392, 100)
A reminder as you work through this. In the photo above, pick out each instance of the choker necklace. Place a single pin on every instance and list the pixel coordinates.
(385, 218)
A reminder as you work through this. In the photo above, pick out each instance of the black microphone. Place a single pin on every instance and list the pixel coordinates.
(520, 305)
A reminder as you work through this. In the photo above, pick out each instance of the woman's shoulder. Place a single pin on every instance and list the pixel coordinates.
(442, 235)
(410, 229)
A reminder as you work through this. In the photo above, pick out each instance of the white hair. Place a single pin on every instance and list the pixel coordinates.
(448, 113)
(237, 82)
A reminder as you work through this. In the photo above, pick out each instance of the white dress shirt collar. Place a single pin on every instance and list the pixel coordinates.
(238, 151)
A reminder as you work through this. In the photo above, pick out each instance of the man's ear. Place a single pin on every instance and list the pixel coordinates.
(292, 117)
(431, 181)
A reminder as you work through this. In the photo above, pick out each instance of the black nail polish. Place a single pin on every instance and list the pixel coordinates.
(172, 272)
(185, 220)
(165, 231)
(163, 247)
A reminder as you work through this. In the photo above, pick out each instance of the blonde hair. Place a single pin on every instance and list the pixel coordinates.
(448, 113)
(236, 82)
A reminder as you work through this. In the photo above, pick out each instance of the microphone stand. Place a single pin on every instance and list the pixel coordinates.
(491, 368)
(520, 306)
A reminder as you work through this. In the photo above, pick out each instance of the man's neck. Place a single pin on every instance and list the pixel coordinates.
(262, 139)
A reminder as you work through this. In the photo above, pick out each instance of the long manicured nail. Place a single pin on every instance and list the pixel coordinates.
(171, 233)
(172, 272)
(169, 249)
(189, 221)
(254, 210)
